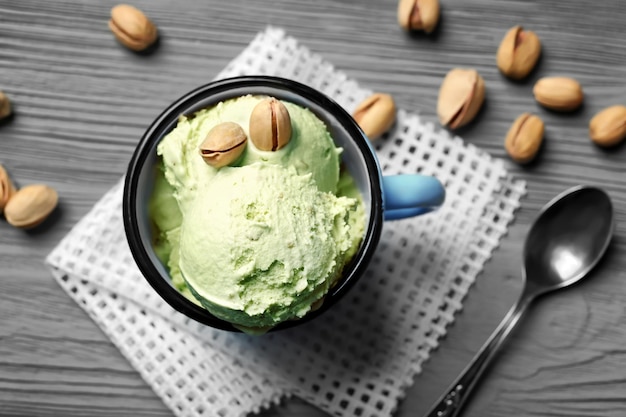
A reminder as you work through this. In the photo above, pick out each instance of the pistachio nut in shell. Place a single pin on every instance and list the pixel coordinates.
(418, 14)
(5, 106)
(132, 28)
(30, 206)
(524, 138)
(558, 93)
(270, 125)
(375, 115)
(7, 189)
(223, 145)
(461, 95)
(518, 53)
(608, 127)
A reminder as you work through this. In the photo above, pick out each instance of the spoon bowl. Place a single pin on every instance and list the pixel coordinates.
(568, 238)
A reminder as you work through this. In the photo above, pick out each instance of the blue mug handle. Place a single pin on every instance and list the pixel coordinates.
(411, 195)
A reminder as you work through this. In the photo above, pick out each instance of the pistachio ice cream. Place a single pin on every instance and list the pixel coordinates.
(252, 215)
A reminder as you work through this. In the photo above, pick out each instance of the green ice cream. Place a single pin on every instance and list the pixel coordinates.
(268, 246)
(311, 149)
(255, 243)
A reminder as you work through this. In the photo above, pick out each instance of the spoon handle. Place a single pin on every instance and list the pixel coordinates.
(451, 403)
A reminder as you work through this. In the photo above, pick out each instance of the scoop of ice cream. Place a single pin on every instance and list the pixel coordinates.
(310, 150)
(260, 243)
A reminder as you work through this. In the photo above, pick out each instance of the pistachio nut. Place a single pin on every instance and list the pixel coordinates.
(524, 138)
(132, 28)
(558, 93)
(7, 189)
(518, 53)
(30, 206)
(5, 106)
(223, 145)
(270, 125)
(418, 14)
(461, 95)
(375, 115)
(608, 127)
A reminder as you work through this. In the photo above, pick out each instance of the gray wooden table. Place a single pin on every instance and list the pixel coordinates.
(82, 102)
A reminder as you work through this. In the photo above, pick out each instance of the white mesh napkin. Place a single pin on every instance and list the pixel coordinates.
(359, 357)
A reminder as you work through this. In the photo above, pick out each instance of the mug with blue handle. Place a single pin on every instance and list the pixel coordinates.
(384, 197)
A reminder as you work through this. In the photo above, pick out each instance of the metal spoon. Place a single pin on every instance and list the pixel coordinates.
(566, 241)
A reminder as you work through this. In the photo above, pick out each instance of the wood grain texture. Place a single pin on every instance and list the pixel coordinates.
(82, 102)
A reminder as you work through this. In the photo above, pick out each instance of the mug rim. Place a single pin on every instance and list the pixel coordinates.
(353, 270)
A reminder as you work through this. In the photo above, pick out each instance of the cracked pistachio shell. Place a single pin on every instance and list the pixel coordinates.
(7, 189)
(223, 145)
(524, 138)
(375, 115)
(30, 206)
(418, 14)
(518, 53)
(270, 125)
(5, 106)
(132, 28)
(608, 127)
(461, 96)
(558, 93)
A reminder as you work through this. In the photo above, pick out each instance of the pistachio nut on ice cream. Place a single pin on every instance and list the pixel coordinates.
(254, 218)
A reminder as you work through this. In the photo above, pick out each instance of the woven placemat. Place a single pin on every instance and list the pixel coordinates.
(358, 358)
